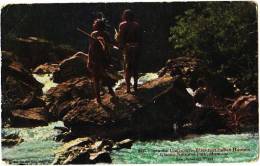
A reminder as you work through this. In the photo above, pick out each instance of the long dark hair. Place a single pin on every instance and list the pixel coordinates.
(128, 15)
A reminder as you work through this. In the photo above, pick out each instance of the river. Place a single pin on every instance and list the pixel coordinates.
(164, 151)
(39, 147)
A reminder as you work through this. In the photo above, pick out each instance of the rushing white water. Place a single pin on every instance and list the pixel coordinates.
(38, 146)
(143, 79)
(46, 80)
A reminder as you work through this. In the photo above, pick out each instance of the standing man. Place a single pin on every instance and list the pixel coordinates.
(98, 57)
(129, 38)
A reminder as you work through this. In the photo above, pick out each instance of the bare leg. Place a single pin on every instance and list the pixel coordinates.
(135, 68)
(135, 73)
(97, 89)
(127, 79)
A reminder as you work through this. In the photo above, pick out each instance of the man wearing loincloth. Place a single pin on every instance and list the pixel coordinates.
(129, 38)
(98, 57)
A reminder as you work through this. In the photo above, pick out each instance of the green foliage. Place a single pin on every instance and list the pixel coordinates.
(224, 34)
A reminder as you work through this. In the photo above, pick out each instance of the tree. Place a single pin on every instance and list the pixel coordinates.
(224, 34)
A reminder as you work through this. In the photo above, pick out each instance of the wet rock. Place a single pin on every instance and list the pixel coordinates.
(76, 142)
(19, 88)
(69, 152)
(30, 50)
(46, 68)
(244, 114)
(30, 117)
(178, 95)
(76, 155)
(11, 140)
(127, 143)
(12, 68)
(62, 129)
(207, 120)
(219, 85)
(75, 66)
(66, 95)
(100, 157)
(83, 151)
(152, 109)
(33, 51)
(78, 158)
(102, 144)
(185, 63)
(245, 103)
(65, 136)
(194, 70)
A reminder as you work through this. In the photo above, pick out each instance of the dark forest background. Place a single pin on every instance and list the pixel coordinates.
(58, 23)
(222, 34)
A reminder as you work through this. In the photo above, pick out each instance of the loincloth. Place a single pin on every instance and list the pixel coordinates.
(131, 55)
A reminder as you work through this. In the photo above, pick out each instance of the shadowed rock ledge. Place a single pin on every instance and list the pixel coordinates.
(152, 110)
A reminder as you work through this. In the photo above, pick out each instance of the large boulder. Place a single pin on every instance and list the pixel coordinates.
(194, 71)
(20, 90)
(30, 117)
(244, 114)
(74, 66)
(46, 68)
(207, 120)
(126, 143)
(33, 51)
(186, 64)
(11, 139)
(84, 151)
(152, 110)
(12, 67)
(64, 96)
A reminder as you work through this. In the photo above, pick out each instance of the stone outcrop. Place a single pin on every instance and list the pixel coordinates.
(127, 143)
(84, 151)
(244, 114)
(153, 110)
(74, 66)
(195, 72)
(11, 140)
(30, 117)
(34, 51)
(20, 90)
(46, 68)
(64, 96)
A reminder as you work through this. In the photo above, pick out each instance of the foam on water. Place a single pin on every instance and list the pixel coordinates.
(38, 146)
(141, 80)
(46, 80)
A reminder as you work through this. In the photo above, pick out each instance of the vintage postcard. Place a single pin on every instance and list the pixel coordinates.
(129, 83)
